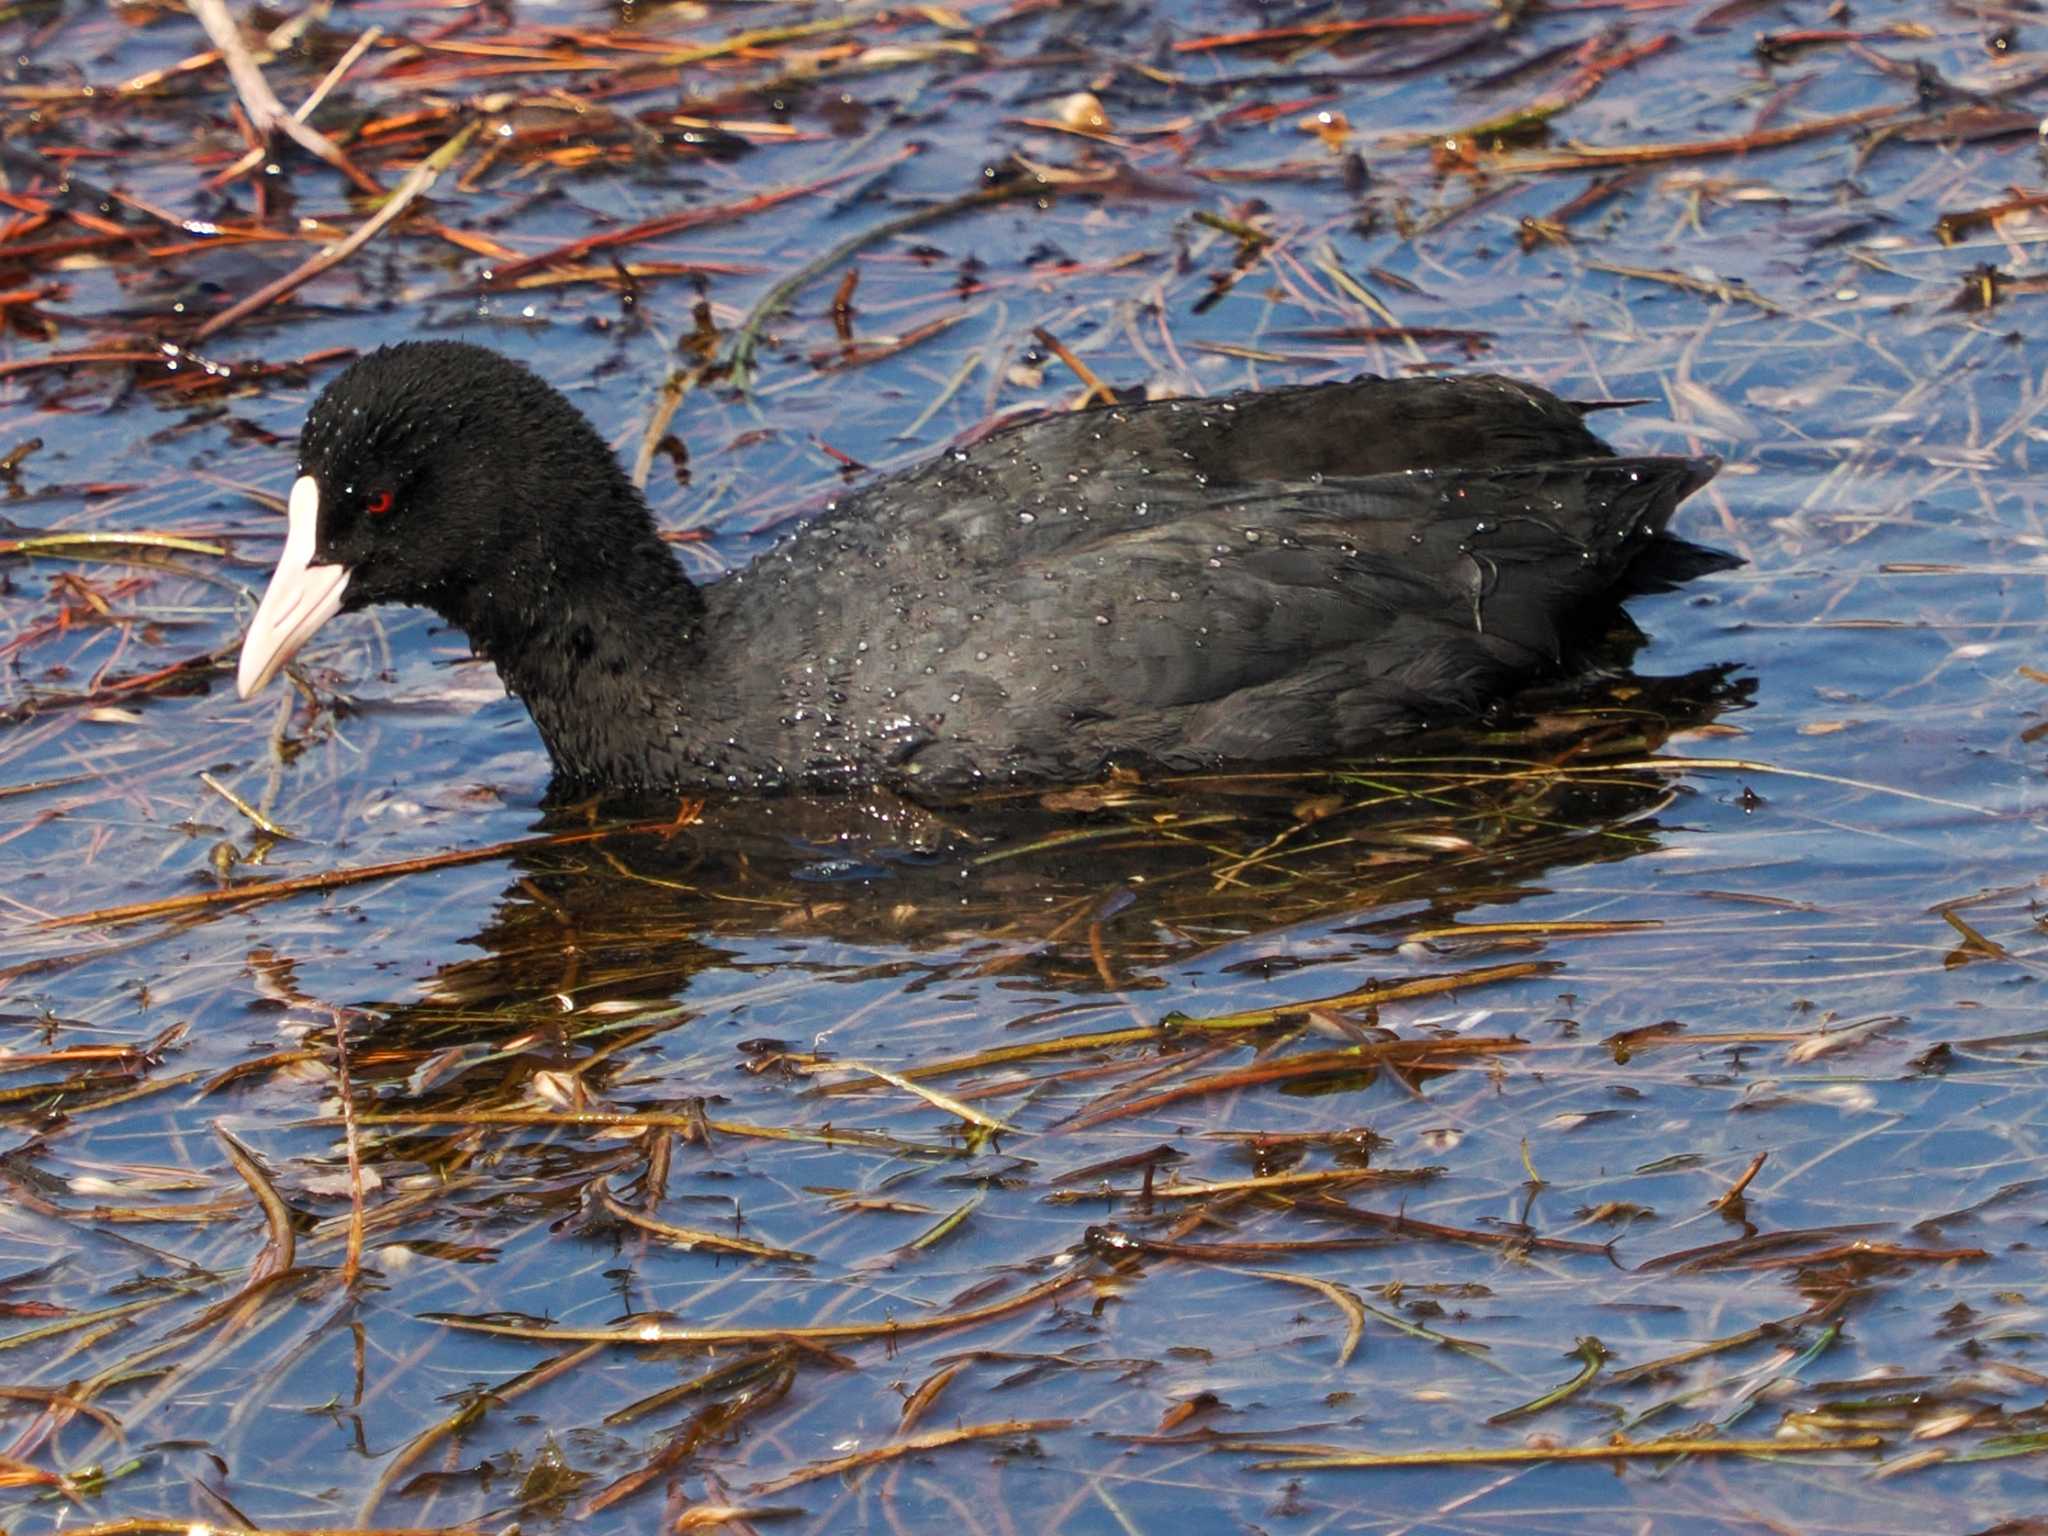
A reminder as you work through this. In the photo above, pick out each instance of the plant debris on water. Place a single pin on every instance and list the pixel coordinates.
(1646, 1076)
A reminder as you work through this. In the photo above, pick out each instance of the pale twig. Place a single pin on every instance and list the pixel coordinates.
(352, 1263)
(266, 112)
(421, 177)
(262, 822)
(342, 66)
(278, 1253)
(665, 405)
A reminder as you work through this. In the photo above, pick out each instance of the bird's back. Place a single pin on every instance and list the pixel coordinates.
(1281, 575)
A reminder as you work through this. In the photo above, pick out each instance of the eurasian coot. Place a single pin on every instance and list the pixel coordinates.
(1182, 584)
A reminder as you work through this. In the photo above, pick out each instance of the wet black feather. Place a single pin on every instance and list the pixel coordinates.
(1186, 584)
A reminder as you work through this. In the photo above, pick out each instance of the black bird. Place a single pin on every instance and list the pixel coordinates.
(1181, 584)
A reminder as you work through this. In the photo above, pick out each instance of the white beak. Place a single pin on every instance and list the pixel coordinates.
(300, 598)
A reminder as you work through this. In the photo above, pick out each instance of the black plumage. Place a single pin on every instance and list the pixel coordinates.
(1183, 584)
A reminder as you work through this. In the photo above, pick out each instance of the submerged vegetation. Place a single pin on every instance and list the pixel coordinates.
(1647, 1079)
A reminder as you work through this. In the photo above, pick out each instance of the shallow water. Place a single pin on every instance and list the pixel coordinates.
(1845, 725)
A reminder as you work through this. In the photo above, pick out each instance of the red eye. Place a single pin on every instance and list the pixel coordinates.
(378, 503)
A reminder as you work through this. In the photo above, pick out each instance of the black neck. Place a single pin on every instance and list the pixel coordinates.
(594, 636)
